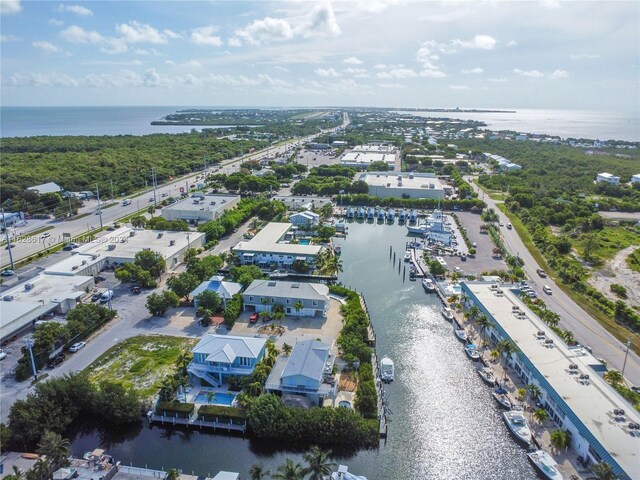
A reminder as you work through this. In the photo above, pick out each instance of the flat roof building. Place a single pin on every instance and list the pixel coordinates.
(203, 208)
(574, 394)
(404, 185)
(362, 160)
(607, 178)
(47, 188)
(377, 148)
(293, 202)
(271, 246)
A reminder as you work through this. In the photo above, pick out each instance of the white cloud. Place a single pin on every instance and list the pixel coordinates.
(459, 87)
(356, 72)
(171, 33)
(499, 80)
(77, 9)
(205, 36)
(234, 42)
(55, 22)
(194, 63)
(135, 32)
(352, 61)
(267, 29)
(481, 42)
(321, 21)
(147, 51)
(584, 56)
(380, 66)
(512, 43)
(282, 69)
(7, 7)
(52, 79)
(556, 74)
(8, 38)
(472, 70)
(76, 34)
(528, 73)
(326, 72)
(46, 47)
(398, 73)
(550, 4)
(392, 85)
(431, 73)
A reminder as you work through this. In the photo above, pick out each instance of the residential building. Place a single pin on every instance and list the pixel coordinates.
(217, 357)
(225, 290)
(203, 208)
(574, 394)
(510, 167)
(635, 178)
(271, 247)
(404, 185)
(312, 299)
(307, 371)
(305, 219)
(293, 202)
(46, 188)
(607, 178)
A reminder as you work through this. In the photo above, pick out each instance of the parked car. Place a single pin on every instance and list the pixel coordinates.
(3, 355)
(254, 317)
(99, 278)
(96, 296)
(98, 212)
(70, 246)
(135, 290)
(106, 296)
(501, 224)
(10, 245)
(509, 226)
(57, 360)
(76, 346)
(164, 195)
(546, 289)
(7, 273)
(542, 273)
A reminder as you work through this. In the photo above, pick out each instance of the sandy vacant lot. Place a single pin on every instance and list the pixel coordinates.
(617, 271)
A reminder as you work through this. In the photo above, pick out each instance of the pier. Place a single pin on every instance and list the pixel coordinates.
(194, 422)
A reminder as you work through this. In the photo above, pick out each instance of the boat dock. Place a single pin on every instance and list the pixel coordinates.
(194, 422)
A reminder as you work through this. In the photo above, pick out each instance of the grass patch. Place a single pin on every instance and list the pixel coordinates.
(140, 362)
(609, 241)
(609, 323)
(108, 205)
(633, 260)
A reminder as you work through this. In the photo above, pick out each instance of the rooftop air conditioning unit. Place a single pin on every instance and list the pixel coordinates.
(172, 243)
(75, 267)
(84, 262)
(94, 256)
(388, 184)
(112, 246)
(132, 233)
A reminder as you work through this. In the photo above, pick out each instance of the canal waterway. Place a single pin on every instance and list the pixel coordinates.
(443, 425)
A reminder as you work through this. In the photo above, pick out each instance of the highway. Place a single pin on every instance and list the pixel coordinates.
(586, 330)
(28, 246)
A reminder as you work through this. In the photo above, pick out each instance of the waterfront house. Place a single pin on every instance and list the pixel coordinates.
(311, 298)
(306, 372)
(217, 357)
(271, 248)
(305, 219)
(225, 290)
(573, 392)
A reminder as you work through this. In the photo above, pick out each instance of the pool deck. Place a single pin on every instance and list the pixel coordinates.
(191, 396)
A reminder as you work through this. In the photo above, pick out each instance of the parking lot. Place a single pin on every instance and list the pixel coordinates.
(315, 158)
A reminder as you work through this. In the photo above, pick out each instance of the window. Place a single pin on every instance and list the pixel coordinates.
(251, 299)
(315, 303)
(288, 301)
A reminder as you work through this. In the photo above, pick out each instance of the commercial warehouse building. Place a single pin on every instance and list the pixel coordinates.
(573, 392)
(202, 208)
(404, 185)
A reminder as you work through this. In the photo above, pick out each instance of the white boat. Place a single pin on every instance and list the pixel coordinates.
(447, 313)
(517, 425)
(460, 334)
(391, 214)
(343, 474)
(545, 464)
(371, 213)
(278, 274)
(387, 372)
(407, 255)
(501, 396)
(413, 216)
(402, 216)
(428, 285)
(351, 213)
(487, 376)
(337, 249)
(472, 352)
(361, 212)
(381, 215)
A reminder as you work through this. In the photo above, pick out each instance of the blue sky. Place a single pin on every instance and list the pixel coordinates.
(542, 54)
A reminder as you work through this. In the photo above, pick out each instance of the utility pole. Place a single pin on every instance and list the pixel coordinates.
(112, 195)
(626, 354)
(29, 343)
(6, 234)
(99, 209)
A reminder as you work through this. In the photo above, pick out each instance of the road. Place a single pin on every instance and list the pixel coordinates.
(586, 329)
(81, 226)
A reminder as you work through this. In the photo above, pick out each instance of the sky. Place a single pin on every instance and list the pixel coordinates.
(390, 53)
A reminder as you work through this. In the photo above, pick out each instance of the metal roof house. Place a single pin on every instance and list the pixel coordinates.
(46, 188)
(262, 295)
(307, 372)
(574, 394)
(305, 219)
(225, 290)
(216, 357)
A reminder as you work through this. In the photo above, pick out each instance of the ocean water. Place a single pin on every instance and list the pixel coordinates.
(596, 125)
(30, 121)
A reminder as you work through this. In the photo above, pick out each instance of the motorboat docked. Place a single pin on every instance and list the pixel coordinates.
(487, 376)
(412, 274)
(407, 256)
(447, 313)
(343, 474)
(351, 212)
(545, 464)
(381, 215)
(337, 249)
(361, 212)
(517, 425)
(387, 372)
(460, 333)
(428, 285)
(502, 398)
(472, 352)
(371, 213)
(391, 214)
(402, 216)
(413, 216)
(278, 274)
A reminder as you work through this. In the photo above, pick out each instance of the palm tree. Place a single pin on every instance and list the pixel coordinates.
(614, 377)
(290, 471)
(286, 349)
(183, 361)
(483, 323)
(533, 392)
(318, 463)
(540, 415)
(41, 469)
(568, 337)
(16, 475)
(272, 350)
(505, 348)
(559, 439)
(172, 474)
(211, 396)
(257, 472)
(472, 313)
(298, 306)
(603, 471)
(55, 448)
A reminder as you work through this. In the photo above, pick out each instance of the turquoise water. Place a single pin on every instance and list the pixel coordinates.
(225, 399)
(305, 241)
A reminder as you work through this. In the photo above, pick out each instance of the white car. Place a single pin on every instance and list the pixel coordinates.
(3, 355)
(76, 346)
(547, 289)
(7, 273)
(501, 224)
(45, 235)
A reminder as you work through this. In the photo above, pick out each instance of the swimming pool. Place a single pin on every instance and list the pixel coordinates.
(344, 404)
(219, 399)
(304, 241)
